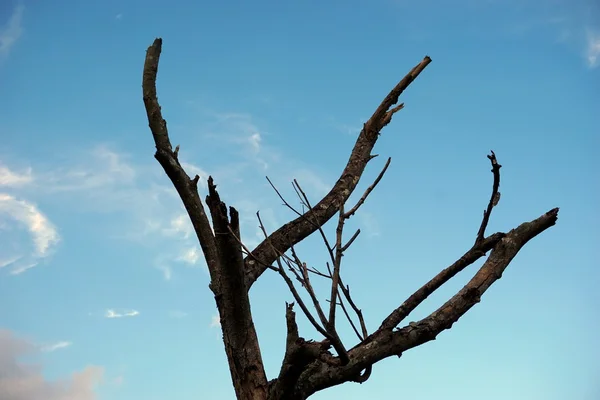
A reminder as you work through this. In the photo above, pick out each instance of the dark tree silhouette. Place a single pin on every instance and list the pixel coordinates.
(310, 366)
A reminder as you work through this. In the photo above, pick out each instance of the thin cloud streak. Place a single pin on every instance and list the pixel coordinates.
(55, 346)
(10, 178)
(111, 313)
(593, 48)
(12, 31)
(215, 322)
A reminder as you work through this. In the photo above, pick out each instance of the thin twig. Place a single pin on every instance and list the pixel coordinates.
(337, 265)
(369, 190)
(246, 250)
(295, 293)
(494, 198)
(282, 198)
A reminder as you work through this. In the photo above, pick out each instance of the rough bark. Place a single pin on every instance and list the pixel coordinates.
(221, 250)
(387, 342)
(309, 366)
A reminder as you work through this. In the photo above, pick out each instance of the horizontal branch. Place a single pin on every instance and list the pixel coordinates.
(301, 227)
(386, 343)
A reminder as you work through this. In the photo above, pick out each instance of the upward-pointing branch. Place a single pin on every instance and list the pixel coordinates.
(296, 230)
(168, 159)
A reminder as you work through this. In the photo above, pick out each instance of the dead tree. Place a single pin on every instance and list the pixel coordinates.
(310, 366)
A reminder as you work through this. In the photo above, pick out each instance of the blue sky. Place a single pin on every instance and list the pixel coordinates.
(103, 288)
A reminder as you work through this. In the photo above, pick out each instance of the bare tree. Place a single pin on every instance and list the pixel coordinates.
(310, 366)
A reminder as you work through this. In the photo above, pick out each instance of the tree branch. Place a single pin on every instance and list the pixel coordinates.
(222, 250)
(386, 343)
(480, 248)
(298, 354)
(298, 229)
(186, 187)
(494, 198)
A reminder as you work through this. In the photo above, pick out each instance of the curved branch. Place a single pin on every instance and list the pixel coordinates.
(298, 229)
(186, 188)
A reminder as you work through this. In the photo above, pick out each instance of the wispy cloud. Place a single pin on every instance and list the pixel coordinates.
(165, 269)
(55, 346)
(593, 48)
(24, 381)
(111, 313)
(99, 168)
(254, 141)
(190, 256)
(10, 178)
(240, 128)
(147, 209)
(12, 31)
(42, 232)
(215, 322)
(179, 225)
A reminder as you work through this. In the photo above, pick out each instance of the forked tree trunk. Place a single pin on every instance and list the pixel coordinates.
(309, 366)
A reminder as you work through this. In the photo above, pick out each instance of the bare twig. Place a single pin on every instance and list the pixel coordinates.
(295, 293)
(247, 251)
(296, 230)
(326, 332)
(494, 198)
(479, 249)
(304, 198)
(360, 337)
(363, 198)
(337, 265)
(352, 239)
(288, 205)
(436, 282)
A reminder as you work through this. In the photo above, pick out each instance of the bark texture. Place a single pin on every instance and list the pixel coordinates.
(310, 366)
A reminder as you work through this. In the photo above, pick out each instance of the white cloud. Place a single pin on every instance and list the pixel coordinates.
(593, 48)
(55, 346)
(254, 140)
(25, 381)
(166, 270)
(180, 225)
(141, 202)
(10, 178)
(190, 256)
(111, 313)
(215, 322)
(12, 31)
(43, 233)
(101, 168)
(5, 262)
(240, 128)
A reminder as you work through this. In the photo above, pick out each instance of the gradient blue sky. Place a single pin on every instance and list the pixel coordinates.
(103, 290)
